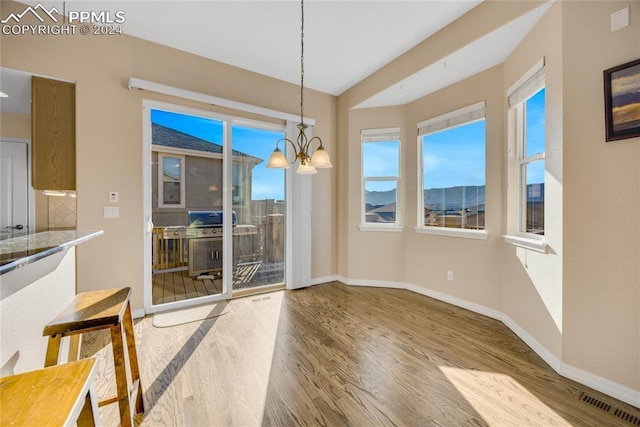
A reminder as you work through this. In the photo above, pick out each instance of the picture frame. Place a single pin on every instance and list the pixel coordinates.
(622, 101)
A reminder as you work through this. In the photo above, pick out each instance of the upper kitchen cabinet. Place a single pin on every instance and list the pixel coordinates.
(53, 133)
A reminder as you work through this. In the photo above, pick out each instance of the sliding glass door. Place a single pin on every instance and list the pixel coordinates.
(216, 213)
(259, 202)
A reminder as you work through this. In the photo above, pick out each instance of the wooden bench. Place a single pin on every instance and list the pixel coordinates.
(106, 309)
(56, 396)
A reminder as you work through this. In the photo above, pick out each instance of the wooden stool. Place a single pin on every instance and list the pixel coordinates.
(90, 311)
(56, 396)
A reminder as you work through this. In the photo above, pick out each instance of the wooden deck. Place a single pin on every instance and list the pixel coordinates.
(173, 286)
(178, 286)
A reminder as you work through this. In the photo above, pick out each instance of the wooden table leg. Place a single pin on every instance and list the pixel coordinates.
(117, 341)
(133, 358)
(53, 348)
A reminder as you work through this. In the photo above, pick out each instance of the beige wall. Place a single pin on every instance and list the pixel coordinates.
(532, 281)
(579, 304)
(372, 255)
(602, 201)
(429, 257)
(109, 136)
(15, 126)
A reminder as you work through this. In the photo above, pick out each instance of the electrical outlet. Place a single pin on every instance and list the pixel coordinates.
(450, 276)
(113, 196)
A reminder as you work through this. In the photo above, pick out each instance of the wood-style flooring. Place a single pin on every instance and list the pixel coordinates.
(336, 355)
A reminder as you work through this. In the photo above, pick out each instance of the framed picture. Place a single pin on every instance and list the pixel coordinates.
(622, 101)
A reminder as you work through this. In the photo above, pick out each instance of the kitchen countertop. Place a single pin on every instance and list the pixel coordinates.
(20, 251)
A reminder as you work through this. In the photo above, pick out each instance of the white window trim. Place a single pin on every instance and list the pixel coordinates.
(462, 116)
(161, 156)
(528, 85)
(372, 136)
(454, 232)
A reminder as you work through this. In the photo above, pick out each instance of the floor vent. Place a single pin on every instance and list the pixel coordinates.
(623, 415)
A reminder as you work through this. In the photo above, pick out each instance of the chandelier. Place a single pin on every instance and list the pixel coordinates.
(303, 145)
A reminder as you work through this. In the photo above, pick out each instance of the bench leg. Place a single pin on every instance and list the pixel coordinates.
(53, 348)
(89, 414)
(133, 357)
(117, 341)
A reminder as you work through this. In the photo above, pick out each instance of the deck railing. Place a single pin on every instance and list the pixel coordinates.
(168, 253)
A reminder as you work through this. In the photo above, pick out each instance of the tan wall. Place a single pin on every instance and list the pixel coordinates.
(429, 257)
(372, 255)
(109, 136)
(579, 304)
(602, 201)
(15, 126)
(532, 281)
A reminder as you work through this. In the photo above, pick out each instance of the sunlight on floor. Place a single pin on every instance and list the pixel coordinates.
(486, 391)
(234, 389)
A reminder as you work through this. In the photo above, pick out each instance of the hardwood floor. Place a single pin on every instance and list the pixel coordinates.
(335, 355)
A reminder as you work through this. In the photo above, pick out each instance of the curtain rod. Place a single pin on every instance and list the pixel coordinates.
(135, 83)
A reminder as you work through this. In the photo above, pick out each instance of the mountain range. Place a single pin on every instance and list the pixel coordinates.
(451, 198)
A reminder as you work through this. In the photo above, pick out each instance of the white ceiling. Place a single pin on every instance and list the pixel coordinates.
(345, 41)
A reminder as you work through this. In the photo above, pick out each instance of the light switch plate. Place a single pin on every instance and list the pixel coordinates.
(620, 19)
(111, 212)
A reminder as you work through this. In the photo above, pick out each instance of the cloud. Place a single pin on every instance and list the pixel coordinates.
(625, 84)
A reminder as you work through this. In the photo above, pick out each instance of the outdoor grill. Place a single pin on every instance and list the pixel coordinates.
(204, 233)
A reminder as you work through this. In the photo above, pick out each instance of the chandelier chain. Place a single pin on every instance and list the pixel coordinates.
(302, 61)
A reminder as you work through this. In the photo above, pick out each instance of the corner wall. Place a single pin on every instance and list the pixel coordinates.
(602, 204)
(531, 281)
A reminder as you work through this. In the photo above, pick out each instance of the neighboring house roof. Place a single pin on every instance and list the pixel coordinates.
(167, 137)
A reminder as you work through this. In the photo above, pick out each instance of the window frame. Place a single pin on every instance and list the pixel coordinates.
(161, 156)
(460, 117)
(524, 89)
(372, 136)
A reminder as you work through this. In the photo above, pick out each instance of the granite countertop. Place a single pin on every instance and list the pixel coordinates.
(21, 251)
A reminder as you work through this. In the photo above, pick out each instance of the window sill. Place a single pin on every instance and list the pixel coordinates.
(527, 243)
(454, 232)
(384, 228)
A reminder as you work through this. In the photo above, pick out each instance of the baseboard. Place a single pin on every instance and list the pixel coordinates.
(137, 313)
(610, 388)
(538, 348)
(326, 279)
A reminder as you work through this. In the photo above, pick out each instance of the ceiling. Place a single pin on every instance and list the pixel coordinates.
(345, 41)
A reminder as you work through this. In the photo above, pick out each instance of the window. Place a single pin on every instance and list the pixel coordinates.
(170, 181)
(452, 179)
(380, 177)
(527, 107)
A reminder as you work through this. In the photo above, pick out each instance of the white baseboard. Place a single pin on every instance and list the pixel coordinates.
(610, 388)
(595, 382)
(550, 358)
(137, 313)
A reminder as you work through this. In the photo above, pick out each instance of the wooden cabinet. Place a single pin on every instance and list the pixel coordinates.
(53, 133)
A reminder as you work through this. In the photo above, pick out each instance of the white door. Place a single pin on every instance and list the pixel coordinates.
(14, 188)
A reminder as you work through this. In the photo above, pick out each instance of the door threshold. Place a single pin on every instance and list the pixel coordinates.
(258, 290)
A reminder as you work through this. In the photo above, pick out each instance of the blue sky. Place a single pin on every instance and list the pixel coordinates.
(267, 183)
(457, 156)
(451, 158)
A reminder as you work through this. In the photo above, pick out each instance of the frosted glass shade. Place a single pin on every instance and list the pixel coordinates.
(320, 159)
(277, 160)
(305, 169)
